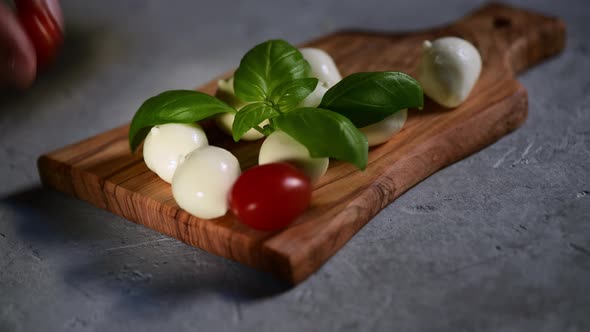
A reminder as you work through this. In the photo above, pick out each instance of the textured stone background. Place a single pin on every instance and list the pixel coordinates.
(497, 242)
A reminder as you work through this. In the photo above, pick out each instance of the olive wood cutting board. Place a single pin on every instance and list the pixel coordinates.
(102, 171)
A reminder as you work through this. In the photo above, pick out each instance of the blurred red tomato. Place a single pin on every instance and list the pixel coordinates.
(43, 30)
(271, 196)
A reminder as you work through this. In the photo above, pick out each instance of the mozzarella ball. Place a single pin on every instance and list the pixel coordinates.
(166, 146)
(449, 68)
(324, 69)
(382, 131)
(203, 181)
(225, 121)
(322, 66)
(280, 147)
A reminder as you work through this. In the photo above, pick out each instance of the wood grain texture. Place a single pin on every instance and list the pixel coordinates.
(102, 171)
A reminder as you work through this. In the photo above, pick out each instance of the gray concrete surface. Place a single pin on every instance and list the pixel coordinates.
(497, 242)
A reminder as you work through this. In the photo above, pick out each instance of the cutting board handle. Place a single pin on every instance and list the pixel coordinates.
(523, 38)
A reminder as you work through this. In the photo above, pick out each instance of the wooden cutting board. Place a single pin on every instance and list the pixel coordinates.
(102, 171)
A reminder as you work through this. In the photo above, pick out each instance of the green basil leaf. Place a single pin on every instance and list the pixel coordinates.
(267, 129)
(249, 117)
(367, 98)
(290, 93)
(176, 106)
(325, 134)
(265, 67)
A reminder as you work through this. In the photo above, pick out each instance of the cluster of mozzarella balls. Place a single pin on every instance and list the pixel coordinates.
(202, 175)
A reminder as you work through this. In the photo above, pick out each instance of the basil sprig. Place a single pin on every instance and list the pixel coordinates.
(265, 67)
(273, 78)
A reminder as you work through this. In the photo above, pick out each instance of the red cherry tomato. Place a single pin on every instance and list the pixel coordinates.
(271, 196)
(43, 30)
